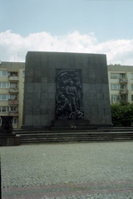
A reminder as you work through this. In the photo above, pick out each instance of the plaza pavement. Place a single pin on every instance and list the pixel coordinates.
(68, 171)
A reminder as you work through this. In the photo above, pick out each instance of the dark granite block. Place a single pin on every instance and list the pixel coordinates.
(45, 98)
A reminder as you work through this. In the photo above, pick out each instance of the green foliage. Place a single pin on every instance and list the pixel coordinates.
(122, 115)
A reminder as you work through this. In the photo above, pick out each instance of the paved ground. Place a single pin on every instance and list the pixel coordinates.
(68, 171)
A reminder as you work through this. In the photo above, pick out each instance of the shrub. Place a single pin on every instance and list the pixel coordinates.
(122, 115)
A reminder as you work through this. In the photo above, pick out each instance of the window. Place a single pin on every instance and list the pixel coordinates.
(23, 73)
(123, 87)
(13, 108)
(123, 75)
(8, 85)
(7, 97)
(118, 75)
(13, 85)
(115, 75)
(4, 109)
(14, 121)
(132, 87)
(114, 98)
(13, 97)
(3, 73)
(131, 97)
(115, 86)
(13, 73)
(4, 96)
(4, 85)
(131, 75)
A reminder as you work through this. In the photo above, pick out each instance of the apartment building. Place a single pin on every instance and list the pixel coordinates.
(11, 91)
(120, 83)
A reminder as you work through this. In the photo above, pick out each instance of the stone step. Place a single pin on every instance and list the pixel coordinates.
(71, 137)
(92, 129)
(72, 140)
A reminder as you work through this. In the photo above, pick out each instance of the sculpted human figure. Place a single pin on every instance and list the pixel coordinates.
(63, 107)
(71, 93)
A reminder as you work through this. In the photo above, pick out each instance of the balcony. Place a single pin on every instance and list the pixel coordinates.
(13, 90)
(13, 78)
(123, 80)
(12, 101)
(3, 113)
(14, 114)
(123, 91)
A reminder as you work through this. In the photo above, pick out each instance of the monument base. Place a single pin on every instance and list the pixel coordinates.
(70, 124)
(9, 140)
(64, 124)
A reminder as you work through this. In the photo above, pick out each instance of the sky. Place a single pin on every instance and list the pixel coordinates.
(84, 26)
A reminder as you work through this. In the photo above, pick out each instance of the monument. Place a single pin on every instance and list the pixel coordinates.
(7, 137)
(6, 127)
(66, 89)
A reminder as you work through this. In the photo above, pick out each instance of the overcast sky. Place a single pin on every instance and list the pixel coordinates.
(87, 26)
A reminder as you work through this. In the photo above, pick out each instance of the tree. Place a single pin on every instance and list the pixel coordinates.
(122, 115)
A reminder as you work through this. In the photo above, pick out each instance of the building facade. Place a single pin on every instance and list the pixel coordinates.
(11, 91)
(120, 83)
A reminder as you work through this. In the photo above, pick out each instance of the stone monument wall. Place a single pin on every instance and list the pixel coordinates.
(49, 79)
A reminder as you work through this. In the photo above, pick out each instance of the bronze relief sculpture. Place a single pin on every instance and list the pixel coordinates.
(69, 94)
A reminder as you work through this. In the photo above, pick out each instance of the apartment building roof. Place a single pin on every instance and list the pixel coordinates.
(118, 67)
(12, 65)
